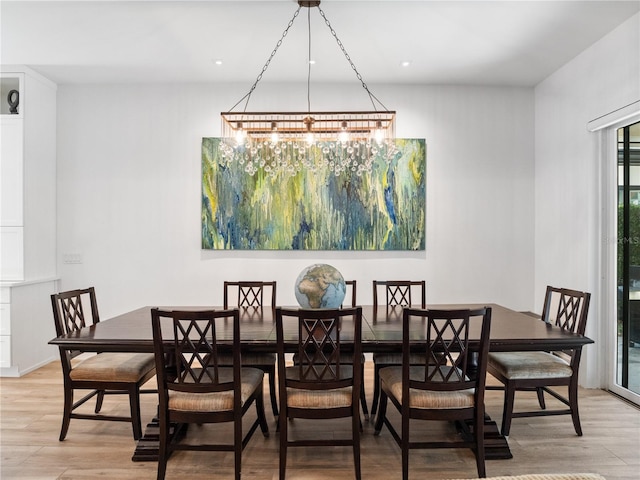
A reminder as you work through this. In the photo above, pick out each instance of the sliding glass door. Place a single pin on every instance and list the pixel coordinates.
(628, 270)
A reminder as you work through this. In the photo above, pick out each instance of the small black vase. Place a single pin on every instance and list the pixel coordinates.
(14, 99)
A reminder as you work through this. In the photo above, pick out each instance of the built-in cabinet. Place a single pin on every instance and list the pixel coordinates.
(27, 219)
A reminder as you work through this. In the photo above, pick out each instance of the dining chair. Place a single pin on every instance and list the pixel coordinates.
(443, 387)
(397, 294)
(537, 371)
(107, 373)
(193, 387)
(249, 297)
(319, 386)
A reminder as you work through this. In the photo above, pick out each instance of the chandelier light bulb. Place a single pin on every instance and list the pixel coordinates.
(309, 137)
(240, 134)
(378, 133)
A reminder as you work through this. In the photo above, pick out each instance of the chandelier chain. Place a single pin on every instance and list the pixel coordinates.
(353, 66)
(266, 65)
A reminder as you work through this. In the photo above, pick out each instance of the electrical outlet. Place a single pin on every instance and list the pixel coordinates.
(72, 258)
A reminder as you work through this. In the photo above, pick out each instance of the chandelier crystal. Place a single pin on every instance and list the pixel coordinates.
(290, 142)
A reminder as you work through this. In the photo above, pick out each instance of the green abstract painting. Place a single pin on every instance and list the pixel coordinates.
(315, 209)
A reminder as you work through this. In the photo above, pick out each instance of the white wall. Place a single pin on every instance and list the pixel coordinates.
(568, 239)
(129, 193)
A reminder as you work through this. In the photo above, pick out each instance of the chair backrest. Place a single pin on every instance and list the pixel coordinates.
(443, 336)
(73, 310)
(320, 335)
(249, 294)
(398, 293)
(353, 285)
(567, 309)
(186, 348)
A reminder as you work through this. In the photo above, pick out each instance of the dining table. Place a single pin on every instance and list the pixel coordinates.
(381, 332)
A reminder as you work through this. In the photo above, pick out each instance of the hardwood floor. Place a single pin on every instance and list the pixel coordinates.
(30, 416)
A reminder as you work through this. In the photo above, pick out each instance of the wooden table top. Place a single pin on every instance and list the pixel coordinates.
(381, 331)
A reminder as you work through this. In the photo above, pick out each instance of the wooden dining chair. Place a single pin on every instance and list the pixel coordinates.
(537, 371)
(442, 387)
(103, 374)
(397, 294)
(319, 386)
(250, 297)
(193, 387)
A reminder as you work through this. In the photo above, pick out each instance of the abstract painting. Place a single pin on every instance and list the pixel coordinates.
(384, 209)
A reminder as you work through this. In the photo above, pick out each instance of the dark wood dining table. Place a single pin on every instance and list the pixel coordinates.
(381, 332)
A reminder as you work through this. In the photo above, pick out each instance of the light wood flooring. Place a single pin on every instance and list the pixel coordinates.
(31, 407)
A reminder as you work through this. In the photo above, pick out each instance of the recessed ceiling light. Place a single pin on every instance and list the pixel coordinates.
(218, 62)
(312, 62)
(405, 63)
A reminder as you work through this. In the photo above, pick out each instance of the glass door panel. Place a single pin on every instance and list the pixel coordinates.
(628, 271)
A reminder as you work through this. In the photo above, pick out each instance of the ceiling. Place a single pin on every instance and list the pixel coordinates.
(476, 42)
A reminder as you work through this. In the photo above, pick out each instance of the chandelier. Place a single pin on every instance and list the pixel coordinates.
(277, 143)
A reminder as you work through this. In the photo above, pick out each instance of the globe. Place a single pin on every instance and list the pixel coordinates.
(320, 286)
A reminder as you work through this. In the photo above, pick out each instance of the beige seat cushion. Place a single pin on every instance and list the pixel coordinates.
(114, 367)
(217, 401)
(391, 377)
(515, 365)
(298, 398)
(249, 359)
(335, 398)
(551, 476)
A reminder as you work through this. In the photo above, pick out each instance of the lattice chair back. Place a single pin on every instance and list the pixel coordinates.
(566, 309)
(446, 347)
(195, 351)
(250, 294)
(319, 346)
(400, 293)
(72, 310)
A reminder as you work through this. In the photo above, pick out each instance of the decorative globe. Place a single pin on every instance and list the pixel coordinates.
(320, 286)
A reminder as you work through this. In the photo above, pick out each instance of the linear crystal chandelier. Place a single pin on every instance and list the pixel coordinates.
(277, 143)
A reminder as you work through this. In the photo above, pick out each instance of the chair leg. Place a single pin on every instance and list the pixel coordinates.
(540, 392)
(404, 445)
(237, 443)
(376, 390)
(363, 398)
(66, 414)
(382, 412)
(573, 405)
(355, 428)
(163, 453)
(99, 400)
(282, 422)
(272, 392)
(480, 451)
(507, 411)
(134, 403)
(262, 418)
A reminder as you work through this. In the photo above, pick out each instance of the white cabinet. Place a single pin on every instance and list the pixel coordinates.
(27, 177)
(27, 218)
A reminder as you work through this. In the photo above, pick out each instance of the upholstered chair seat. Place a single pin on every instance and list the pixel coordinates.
(515, 365)
(218, 401)
(392, 378)
(114, 367)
